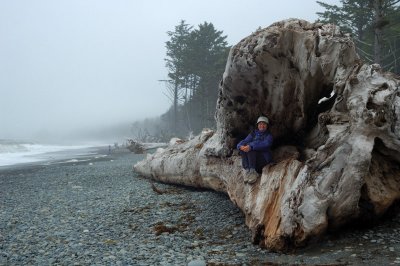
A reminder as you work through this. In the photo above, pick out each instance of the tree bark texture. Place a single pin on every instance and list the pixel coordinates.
(378, 30)
(336, 160)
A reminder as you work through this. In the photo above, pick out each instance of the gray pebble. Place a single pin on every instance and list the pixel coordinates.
(114, 216)
(197, 263)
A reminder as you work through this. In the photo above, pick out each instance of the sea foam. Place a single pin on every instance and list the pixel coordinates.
(16, 151)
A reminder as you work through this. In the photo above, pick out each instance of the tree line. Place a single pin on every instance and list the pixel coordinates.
(374, 26)
(196, 58)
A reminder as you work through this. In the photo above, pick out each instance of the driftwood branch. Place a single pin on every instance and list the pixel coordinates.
(337, 161)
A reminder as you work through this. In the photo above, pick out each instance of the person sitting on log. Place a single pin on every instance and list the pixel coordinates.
(255, 150)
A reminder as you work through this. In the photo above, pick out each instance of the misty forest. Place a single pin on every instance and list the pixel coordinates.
(196, 59)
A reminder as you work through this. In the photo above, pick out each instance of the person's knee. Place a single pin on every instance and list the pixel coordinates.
(253, 154)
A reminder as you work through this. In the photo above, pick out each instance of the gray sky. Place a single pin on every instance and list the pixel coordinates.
(72, 64)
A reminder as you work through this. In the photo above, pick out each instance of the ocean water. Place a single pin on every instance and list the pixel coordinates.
(17, 152)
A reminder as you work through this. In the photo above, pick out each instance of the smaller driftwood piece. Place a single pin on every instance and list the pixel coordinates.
(337, 159)
(135, 146)
(140, 147)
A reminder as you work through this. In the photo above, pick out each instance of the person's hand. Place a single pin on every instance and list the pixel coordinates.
(245, 148)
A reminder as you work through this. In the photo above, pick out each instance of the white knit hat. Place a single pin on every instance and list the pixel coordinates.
(263, 119)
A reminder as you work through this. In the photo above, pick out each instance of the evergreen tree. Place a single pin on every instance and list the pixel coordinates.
(374, 26)
(354, 16)
(208, 52)
(195, 61)
(386, 34)
(175, 62)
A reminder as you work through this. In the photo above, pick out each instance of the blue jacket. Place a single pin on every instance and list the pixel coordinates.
(259, 141)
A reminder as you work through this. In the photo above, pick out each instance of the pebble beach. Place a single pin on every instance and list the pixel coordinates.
(100, 212)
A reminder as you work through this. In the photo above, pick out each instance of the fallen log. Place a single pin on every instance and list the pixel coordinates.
(337, 161)
(140, 147)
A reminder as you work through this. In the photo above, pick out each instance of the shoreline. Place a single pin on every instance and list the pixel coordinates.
(64, 157)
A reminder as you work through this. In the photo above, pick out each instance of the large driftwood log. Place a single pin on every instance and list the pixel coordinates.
(337, 161)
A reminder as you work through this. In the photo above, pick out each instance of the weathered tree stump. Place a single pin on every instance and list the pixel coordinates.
(337, 161)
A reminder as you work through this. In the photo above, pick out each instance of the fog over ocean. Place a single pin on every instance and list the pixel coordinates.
(70, 67)
(78, 72)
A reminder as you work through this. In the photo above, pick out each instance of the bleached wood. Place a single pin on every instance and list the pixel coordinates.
(335, 162)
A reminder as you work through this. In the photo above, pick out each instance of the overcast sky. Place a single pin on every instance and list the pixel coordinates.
(71, 64)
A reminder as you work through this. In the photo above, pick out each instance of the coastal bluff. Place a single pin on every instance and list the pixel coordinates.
(336, 125)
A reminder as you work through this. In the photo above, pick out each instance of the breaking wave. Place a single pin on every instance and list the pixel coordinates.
(16, 151)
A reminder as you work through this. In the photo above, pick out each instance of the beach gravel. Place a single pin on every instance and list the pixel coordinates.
(99, 212)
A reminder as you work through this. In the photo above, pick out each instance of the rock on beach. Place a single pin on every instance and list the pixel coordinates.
(100, 212)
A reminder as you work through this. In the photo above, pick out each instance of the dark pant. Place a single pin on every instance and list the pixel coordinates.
(253, 160)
